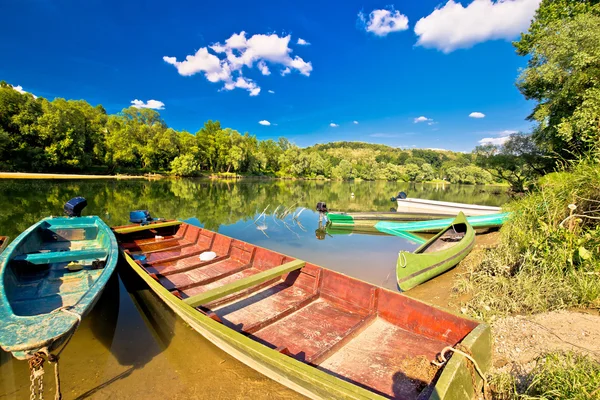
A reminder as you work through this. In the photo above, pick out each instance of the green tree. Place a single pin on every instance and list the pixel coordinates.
(563, 46)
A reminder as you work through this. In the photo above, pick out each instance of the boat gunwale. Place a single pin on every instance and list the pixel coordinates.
(229, 340)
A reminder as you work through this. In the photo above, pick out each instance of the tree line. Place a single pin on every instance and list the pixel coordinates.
(38, 135)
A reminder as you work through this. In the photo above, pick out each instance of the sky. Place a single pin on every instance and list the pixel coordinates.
(425, 74)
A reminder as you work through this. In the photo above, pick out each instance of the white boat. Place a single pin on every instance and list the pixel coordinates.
(443, 207)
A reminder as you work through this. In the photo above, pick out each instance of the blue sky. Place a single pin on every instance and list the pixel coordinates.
(380, 64)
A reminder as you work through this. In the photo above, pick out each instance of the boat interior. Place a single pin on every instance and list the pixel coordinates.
(454, 233)
(55, 264)
(380, 340)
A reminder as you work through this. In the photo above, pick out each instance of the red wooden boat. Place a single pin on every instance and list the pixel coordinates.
(317, 331)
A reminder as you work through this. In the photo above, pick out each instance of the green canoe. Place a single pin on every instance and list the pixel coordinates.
(442, 252)
(369, 219)
(351, 230)
(434, 226)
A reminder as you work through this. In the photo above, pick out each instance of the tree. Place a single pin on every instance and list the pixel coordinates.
(519, 161)
(563, 46)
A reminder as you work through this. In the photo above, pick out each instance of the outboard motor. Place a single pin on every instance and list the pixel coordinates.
(401, 196)
(140, 217)
(321, 207)
(74, 206)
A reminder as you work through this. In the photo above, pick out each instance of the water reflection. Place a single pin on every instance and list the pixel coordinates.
(131, 345)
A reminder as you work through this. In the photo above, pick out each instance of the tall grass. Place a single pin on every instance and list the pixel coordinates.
(557, 376)
(548, 256)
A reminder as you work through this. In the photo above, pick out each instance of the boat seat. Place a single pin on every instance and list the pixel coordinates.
(69, 226)
(62, 256)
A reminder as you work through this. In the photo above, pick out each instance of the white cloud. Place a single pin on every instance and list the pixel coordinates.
(271, 91)
(264, 69)
(382, 22)
(422, 119)
(302, 42)
(19, 89)
(454, 27)
(477, 114)
(264, 122)
(355, 122)
(500, 139)
(229, 59)
(333, 125)
(153, 104)
(495, 141)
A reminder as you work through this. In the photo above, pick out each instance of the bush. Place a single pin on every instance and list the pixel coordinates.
(185, 165)
(548, 256)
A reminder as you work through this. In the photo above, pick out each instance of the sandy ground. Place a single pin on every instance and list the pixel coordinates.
(518, 340)
(24, 175)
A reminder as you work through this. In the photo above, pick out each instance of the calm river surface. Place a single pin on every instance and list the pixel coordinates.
(131, 346)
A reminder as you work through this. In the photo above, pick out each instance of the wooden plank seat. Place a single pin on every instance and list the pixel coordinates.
(220, 268)
(62, 256)
(244, 283)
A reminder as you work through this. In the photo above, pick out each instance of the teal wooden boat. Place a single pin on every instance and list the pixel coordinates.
(439, 254)
(436, 225)
(51, 276)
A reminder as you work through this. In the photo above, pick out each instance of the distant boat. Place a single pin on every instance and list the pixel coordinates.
(369, 219)
(314, 330)
(3, 243)
(409, 205)
(439, 254)
(51, 276)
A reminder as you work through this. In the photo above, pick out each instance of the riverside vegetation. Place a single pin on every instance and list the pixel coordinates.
(38, 135)
(548, 256)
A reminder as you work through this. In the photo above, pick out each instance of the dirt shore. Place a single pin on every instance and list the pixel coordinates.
(26, 175)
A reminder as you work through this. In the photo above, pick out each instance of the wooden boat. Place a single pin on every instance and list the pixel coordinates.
(442, 207)
(439, 254)
(480, 222)
(3, 243)
(51, 275)
(314, 330)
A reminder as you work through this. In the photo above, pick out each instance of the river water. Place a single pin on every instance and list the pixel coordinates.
(131, 346)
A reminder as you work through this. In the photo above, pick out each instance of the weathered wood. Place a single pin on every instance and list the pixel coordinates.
(62, 256)
(139, 228)
(243, 283)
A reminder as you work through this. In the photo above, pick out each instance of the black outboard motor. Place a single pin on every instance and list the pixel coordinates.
(74, 206)
(401, 196)
(140, 217)
(321, 207)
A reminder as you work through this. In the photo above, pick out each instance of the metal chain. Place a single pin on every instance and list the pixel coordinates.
(36, 366)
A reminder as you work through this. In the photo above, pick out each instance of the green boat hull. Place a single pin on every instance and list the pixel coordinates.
(436, 225)
(436, 256)
(369, 219)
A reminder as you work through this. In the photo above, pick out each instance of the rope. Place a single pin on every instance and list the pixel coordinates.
(444, 360)
(403, 258)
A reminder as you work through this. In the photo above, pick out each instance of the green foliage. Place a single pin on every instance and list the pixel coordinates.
(563, 45)
(185, 165)
(471, 175)
(549, 252)
(556, 376)
(519, 161)
(61, 135)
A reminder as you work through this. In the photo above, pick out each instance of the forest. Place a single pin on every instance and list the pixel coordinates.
(39, 135)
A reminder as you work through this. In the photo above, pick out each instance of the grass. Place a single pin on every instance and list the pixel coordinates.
(548, 253)
(556, 376)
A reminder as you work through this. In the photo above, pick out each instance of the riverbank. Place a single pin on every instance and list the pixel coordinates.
(549, 355)
(32, 175)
